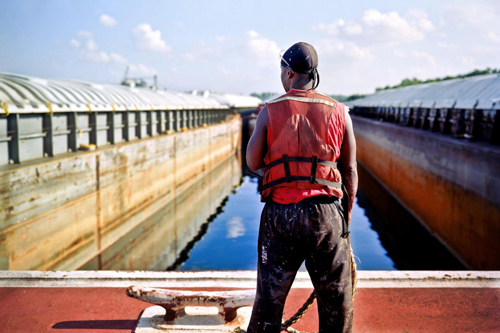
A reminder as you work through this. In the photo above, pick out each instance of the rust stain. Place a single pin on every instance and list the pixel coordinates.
(466, 223)
(134, 188)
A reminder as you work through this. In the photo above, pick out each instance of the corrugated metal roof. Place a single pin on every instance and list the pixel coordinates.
(24, 94)
(482, 91)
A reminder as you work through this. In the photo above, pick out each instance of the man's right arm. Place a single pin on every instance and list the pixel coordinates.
(349, 164)
(257, 145)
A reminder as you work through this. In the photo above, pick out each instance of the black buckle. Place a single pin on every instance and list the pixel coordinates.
(286, 165)
(314, 167)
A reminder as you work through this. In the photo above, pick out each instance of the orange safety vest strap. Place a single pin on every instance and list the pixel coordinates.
(285, 159)
(301, 179)
(301, 159)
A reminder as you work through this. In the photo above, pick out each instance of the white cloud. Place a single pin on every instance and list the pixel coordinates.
(91, 52)
(91, 45)
(204, 52)
(469, 14)
(107, 20)
(332, 29)
(492, 36)
(446, 46)
(478, 20)
(189, 56)
(466, 60)
(353, 29)
(424, 58)
(392, 28)
(400, 54)
(141, 69)
(221, 39)
(101, 57)
(375, 27)
(75, 43)
(118, 58)
(252, 34)
(336, 49)
(149, 40)
(265, 50)
(420, 19)
(85, 34)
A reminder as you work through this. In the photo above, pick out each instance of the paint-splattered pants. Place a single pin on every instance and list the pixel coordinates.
(289, 234)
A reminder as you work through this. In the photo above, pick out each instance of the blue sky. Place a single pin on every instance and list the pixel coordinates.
(233, 46)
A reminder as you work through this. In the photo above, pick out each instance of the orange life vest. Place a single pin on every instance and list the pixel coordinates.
(304, 138)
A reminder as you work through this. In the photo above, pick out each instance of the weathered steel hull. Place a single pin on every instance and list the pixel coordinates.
(452, 187)
(64, 213)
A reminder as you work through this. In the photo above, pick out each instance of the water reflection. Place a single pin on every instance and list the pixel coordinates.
(243, 209)
(214, 225)
(384, 236)
(231, 240)
(405, 240)
(235, 227)
(163, 240)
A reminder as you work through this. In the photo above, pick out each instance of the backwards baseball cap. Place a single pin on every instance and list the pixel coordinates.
(300, 57)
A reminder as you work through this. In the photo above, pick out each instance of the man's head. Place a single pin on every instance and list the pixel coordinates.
(299, 67)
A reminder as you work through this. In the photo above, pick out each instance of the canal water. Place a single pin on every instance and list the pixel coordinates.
(213, 225)
(384, 236)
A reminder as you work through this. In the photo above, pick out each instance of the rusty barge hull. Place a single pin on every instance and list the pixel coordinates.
(452, 187)
(62, 214)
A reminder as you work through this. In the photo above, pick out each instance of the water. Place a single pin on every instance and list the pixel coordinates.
(231, 239)
(383, 237)
(214, 224)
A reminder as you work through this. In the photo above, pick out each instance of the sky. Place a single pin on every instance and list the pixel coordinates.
(233, 46)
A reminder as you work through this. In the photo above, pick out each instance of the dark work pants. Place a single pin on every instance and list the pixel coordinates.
(289, 234)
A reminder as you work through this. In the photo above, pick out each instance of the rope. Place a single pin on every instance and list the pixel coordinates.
(300, 312)
(285, 325)
(4, 107)
(49, 106)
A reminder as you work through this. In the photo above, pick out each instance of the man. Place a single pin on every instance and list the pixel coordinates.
(298, 139)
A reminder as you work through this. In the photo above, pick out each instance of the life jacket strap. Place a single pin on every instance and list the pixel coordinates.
(286, 165)
(314, 166)
(301, 179)
(279, 161)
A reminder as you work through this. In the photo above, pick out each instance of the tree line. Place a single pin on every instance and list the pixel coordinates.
(341, 98)
(411, 82)
(406, 82)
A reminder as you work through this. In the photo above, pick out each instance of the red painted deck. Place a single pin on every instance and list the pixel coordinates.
(385, 310)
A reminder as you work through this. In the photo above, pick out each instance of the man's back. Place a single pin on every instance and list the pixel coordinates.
(303, 124)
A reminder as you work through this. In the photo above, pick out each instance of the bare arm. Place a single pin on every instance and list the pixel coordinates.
(257, 145)
(348, 163)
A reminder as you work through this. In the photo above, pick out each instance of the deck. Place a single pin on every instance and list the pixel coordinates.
(396, 301)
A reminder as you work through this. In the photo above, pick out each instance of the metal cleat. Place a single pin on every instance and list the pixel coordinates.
(189, 311)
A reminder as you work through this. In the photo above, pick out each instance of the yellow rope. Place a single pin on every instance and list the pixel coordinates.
(3, 105)
(89, 107)
(49, 106)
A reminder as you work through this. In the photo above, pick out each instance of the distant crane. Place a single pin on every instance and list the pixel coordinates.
(139, 81)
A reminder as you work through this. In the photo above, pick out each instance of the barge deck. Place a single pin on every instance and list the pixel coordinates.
(395, 301)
